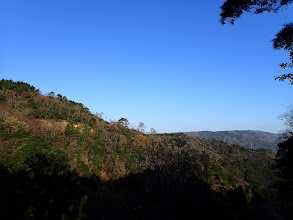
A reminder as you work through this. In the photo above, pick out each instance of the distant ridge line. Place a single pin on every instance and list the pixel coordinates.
(252, 139)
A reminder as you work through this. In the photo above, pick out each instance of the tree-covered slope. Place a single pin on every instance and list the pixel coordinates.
(52, 147)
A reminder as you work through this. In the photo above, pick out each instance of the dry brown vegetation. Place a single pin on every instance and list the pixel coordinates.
(113, 150)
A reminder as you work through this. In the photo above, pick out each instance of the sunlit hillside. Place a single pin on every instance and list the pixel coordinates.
(48, 138)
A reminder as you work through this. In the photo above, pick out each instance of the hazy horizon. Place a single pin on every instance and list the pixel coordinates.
(221, 131)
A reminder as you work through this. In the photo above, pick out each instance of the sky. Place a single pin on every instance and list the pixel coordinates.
(167, 63)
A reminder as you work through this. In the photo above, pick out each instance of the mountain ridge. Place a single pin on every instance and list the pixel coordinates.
(252, 139)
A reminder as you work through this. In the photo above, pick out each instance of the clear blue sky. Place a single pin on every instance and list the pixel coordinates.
(167, 63)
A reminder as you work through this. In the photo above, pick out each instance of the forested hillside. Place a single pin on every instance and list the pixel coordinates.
(248, 139)
(60, 161)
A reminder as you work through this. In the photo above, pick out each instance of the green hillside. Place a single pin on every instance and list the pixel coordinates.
(60, 161)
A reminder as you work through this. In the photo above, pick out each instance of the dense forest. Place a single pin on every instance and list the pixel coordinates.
(60, 161)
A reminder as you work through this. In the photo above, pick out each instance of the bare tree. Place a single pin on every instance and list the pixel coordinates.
(287, 117)
(153, 131)
(141, 127)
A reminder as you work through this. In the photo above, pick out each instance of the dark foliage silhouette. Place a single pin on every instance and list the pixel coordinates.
(233, 9)
(285, 166)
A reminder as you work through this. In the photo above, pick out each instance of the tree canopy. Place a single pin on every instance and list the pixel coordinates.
(233, 9)
(18, 86)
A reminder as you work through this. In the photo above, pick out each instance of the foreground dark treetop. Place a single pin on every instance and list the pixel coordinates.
(233, 9)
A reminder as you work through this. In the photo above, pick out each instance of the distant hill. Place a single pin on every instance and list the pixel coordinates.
(245, 138)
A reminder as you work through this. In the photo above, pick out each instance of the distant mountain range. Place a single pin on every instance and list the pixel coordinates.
(245, 138)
